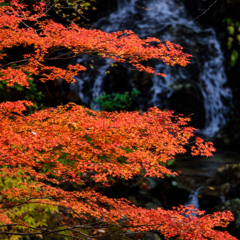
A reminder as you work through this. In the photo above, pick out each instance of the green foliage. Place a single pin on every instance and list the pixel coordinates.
(234, 58)
(32, 93)
(34, 214)
(4, 4)
(71, 10)
(233, 39)
(168, 163)
(116, 101)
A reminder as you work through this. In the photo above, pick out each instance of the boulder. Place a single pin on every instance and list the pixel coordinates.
(228, 135)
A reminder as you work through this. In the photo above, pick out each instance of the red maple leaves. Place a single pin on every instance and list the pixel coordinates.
(58, 145)
(47, 37)
(68, 143)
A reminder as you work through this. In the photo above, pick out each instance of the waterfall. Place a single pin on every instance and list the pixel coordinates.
(193, 199)
(167, 20)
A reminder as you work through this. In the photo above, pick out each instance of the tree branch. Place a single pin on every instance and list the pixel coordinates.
(205, 10)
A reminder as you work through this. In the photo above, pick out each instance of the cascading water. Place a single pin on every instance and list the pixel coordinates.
(167, 20)
(193, 199)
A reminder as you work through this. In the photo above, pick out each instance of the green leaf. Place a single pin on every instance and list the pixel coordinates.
(234, 58)
(238, 38)
(229, 42)
(231, 29)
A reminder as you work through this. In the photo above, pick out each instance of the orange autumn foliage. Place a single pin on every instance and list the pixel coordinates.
(78, 145)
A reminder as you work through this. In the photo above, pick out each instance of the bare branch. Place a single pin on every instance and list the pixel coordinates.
(205, 10)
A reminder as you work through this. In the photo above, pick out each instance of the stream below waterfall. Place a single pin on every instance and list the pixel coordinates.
(197, 89)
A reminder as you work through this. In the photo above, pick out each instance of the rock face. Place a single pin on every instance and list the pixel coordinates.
(228, 136)
(185, 99)
(116, 81)
(234, 206)
(152, 236)
(227, 183)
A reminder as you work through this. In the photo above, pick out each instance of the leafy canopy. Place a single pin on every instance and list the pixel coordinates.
(88, 149)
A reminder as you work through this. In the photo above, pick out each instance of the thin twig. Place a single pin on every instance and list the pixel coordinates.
(209, 7)
(51, 7)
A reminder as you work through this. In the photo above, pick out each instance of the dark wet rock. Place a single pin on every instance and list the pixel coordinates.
(212, 196)
(227, 179)
(217, 191)
(185, 183)
(220, 181)
(117, 81)
(228, 136)
(170, 193)
(234, 206)
(223, 187)
(152, 236)
(72, 96)
(207, 202)
(153, 205)
(187, 99)
(203, 167)
(228, 172)
(142, 81)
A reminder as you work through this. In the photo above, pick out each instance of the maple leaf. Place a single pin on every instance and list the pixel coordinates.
(83, 147)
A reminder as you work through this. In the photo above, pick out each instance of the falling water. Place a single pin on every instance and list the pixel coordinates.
(193, 199)
(167, 20)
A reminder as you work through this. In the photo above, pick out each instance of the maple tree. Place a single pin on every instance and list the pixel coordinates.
(89, 149)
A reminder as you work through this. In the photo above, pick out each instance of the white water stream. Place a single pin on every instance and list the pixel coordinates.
(193, 199)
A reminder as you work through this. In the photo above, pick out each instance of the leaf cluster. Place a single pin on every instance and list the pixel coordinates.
(32, 214)
(77, 144)
(71, 144)
(46, 38)
(116, 101)
(233, 39)
(71, 11)
(31, 92)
